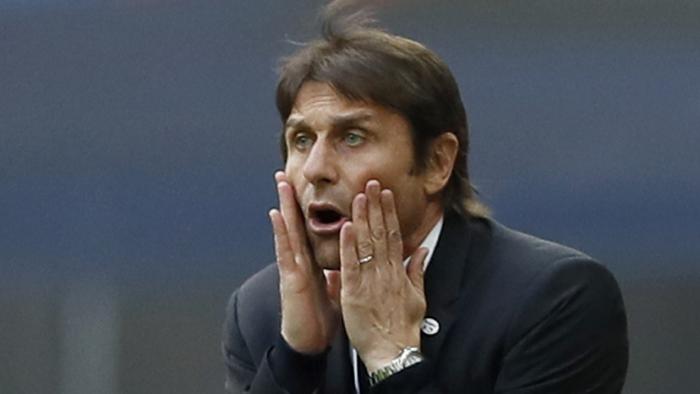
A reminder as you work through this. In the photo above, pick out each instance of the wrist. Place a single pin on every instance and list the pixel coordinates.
(381, 354)
(378, 360)
(406, 358)
(306, 348)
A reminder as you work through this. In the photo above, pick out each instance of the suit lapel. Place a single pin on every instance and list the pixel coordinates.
(445, 277)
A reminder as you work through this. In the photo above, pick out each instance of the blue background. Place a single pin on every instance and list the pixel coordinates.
(138, 141)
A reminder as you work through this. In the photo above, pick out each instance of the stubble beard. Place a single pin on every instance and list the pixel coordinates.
(325, 250)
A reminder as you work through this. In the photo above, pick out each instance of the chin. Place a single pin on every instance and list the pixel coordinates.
(327, 254)
(328, 262)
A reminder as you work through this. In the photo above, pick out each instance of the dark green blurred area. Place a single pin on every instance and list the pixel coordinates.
(138, 141)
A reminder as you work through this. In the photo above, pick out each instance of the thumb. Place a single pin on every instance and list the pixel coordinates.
(415, 268)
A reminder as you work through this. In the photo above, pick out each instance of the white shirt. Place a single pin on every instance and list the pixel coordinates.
(429, 242)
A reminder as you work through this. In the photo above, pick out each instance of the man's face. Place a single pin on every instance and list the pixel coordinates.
(334, 147)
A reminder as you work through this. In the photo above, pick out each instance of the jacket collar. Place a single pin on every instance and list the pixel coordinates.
(461, 246)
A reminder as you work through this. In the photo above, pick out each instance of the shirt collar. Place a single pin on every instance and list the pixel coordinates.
(429, 242)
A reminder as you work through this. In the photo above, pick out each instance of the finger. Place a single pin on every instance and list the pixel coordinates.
(393, 228)
(292, 219)
(349, 267)
(377, 229)
(283, 251)
(360, 226)
(415, 269)
(280, 176)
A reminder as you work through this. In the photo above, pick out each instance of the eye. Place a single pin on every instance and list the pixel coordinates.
(354, 138)
(302, 141)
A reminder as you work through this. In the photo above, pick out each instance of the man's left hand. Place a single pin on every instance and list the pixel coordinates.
(382, 302)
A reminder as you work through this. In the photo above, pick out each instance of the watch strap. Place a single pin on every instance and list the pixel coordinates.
(409, 356)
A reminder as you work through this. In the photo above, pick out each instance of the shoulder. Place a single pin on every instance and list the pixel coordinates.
(507, 242)
(257, 296)
(559, 302)
(530, 260)
(259, 292)
(252, 314)
(505, 264)
(550, 281)
(522, 279)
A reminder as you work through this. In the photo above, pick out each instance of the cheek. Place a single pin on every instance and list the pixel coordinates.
(409, 197)
(353, 174)
(293, 169)
(289, 164)
(393, 172)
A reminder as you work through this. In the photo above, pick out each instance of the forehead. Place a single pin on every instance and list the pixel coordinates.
(318, 101)
(318, 95)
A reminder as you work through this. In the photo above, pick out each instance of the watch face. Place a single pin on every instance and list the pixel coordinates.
(412, 358)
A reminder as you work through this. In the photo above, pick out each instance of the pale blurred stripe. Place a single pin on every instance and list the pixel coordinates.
(89, 323)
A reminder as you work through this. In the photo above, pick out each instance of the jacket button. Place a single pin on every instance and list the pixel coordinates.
(430, 326)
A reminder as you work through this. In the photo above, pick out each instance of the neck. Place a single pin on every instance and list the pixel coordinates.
(433, 213)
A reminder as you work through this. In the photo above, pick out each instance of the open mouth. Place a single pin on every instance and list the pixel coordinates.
(325, 219)
(328, 216)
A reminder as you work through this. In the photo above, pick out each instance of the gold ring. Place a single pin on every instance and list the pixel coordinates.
(365, 260)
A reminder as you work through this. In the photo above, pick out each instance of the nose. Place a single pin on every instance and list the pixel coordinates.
(320, 166)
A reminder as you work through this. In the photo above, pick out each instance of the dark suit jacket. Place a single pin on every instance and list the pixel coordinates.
(517, 314)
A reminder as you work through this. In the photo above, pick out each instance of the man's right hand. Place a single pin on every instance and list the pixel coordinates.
(310, 311)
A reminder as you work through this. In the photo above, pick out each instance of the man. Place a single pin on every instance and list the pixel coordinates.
(390, 277)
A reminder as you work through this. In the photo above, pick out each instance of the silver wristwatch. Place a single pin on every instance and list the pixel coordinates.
(408, 356)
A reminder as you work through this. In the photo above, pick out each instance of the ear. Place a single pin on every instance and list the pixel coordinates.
(442, 156)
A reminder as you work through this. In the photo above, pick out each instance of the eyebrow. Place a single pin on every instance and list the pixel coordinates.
(338, 120)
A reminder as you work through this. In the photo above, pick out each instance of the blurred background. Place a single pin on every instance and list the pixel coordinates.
(138, 139)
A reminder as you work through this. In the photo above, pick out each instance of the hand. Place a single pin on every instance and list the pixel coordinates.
(310, 317)
(383, 303)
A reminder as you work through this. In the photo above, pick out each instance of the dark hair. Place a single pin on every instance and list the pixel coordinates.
(367, 64)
